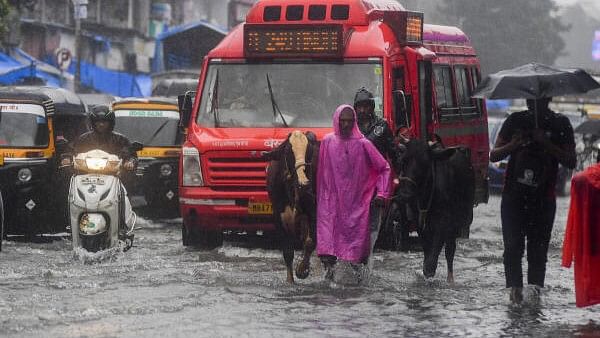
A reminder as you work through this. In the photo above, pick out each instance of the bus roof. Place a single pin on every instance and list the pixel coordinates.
(367, 31)
(359, 12)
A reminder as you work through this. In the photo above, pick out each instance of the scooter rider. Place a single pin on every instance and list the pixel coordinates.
(102, 137)
(376, 130)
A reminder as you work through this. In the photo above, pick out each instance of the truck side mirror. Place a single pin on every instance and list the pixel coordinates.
(185, 108)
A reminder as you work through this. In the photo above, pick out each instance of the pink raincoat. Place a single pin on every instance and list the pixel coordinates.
(350, 170)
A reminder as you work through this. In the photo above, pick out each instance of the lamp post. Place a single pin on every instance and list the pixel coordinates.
(79, 12)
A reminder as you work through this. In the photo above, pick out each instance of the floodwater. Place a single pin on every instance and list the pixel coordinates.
(159, 288)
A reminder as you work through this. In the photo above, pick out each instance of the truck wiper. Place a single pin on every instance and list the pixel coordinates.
(275, 106)
(214, 101)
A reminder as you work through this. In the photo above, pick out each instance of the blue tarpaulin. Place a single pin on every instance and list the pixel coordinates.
(13, 71)
(112, 81)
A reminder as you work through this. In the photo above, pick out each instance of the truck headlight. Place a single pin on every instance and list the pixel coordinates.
(24, 175)
(92, 223)
(192, 173)
(166, 170)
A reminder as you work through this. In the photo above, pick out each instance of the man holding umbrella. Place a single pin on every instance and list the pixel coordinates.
(536, 140)
(528, 200)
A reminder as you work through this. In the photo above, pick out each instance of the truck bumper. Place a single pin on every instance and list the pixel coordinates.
(207, 209)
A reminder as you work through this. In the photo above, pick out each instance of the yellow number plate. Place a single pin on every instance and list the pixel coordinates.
(1, 159)
(262, 208)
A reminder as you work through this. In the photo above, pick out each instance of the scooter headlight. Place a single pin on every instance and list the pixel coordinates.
(24, 175)
(92, 224)
(166, 169)
(94, 163)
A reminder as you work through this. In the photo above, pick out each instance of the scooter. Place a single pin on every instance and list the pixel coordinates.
(100, 213)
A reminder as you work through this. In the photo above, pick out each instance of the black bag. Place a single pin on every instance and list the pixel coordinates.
(530, 174)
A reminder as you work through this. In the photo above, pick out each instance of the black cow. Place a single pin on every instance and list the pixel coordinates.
(439, 184)
(291, 183)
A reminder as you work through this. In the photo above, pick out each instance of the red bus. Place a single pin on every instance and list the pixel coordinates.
(288, 67)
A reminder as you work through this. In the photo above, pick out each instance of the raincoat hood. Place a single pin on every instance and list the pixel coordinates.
(336, 122)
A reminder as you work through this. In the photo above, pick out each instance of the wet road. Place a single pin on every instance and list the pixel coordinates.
(159, 288)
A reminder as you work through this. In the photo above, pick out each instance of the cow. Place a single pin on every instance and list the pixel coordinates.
(439, 184)
(291, 184)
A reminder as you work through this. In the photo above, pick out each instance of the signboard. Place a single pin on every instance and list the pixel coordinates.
(80, 9)
(293, 40)
(63, 58)
(147, 113)
(22, 108)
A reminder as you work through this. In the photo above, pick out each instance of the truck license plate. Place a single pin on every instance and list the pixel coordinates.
(260, 208)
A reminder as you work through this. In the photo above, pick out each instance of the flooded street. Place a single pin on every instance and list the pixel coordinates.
(159, 288)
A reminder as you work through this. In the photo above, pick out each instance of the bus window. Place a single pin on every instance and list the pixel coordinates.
(445, 102)
(463, 92)
(425, 97)
(475, 78)
(402, 100)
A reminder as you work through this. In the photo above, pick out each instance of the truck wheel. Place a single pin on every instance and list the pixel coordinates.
(185, 236)
(201, 238)
(211, 239)
(1, 221)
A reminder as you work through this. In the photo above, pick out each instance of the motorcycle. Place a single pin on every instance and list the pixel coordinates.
(100, 213)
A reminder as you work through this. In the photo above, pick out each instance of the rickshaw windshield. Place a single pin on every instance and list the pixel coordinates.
(23, 126)
(154, 128)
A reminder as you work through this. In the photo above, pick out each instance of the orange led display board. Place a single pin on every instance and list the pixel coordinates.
(293, 40)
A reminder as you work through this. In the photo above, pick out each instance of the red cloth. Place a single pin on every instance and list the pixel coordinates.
(582, 236)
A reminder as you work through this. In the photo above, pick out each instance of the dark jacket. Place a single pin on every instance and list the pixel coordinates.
(112, 142)
(379, 133)
(558, 129)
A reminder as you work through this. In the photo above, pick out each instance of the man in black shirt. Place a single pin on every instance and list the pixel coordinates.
(536, 145)
(376, 130)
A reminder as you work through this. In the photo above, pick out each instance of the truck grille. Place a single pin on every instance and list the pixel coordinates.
(235, 168)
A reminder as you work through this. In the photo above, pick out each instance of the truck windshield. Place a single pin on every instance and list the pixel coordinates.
(154, 128)
(23, 129)
(301, 94)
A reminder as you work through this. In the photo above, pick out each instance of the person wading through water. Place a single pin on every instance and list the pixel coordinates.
(536, 143)
(342, 203)
(376, 130)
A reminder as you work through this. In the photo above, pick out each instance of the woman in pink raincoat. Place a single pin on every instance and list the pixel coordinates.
(351, 172)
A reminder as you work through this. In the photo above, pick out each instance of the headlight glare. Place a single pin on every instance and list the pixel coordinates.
(94, 163)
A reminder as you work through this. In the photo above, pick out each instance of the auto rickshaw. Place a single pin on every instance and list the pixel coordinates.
(34, 122)
(154, 122)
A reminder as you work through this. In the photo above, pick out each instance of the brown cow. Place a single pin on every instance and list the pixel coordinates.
(291, 185)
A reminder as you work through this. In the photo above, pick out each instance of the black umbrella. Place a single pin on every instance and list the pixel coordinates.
(589, 127)
(534, 81)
